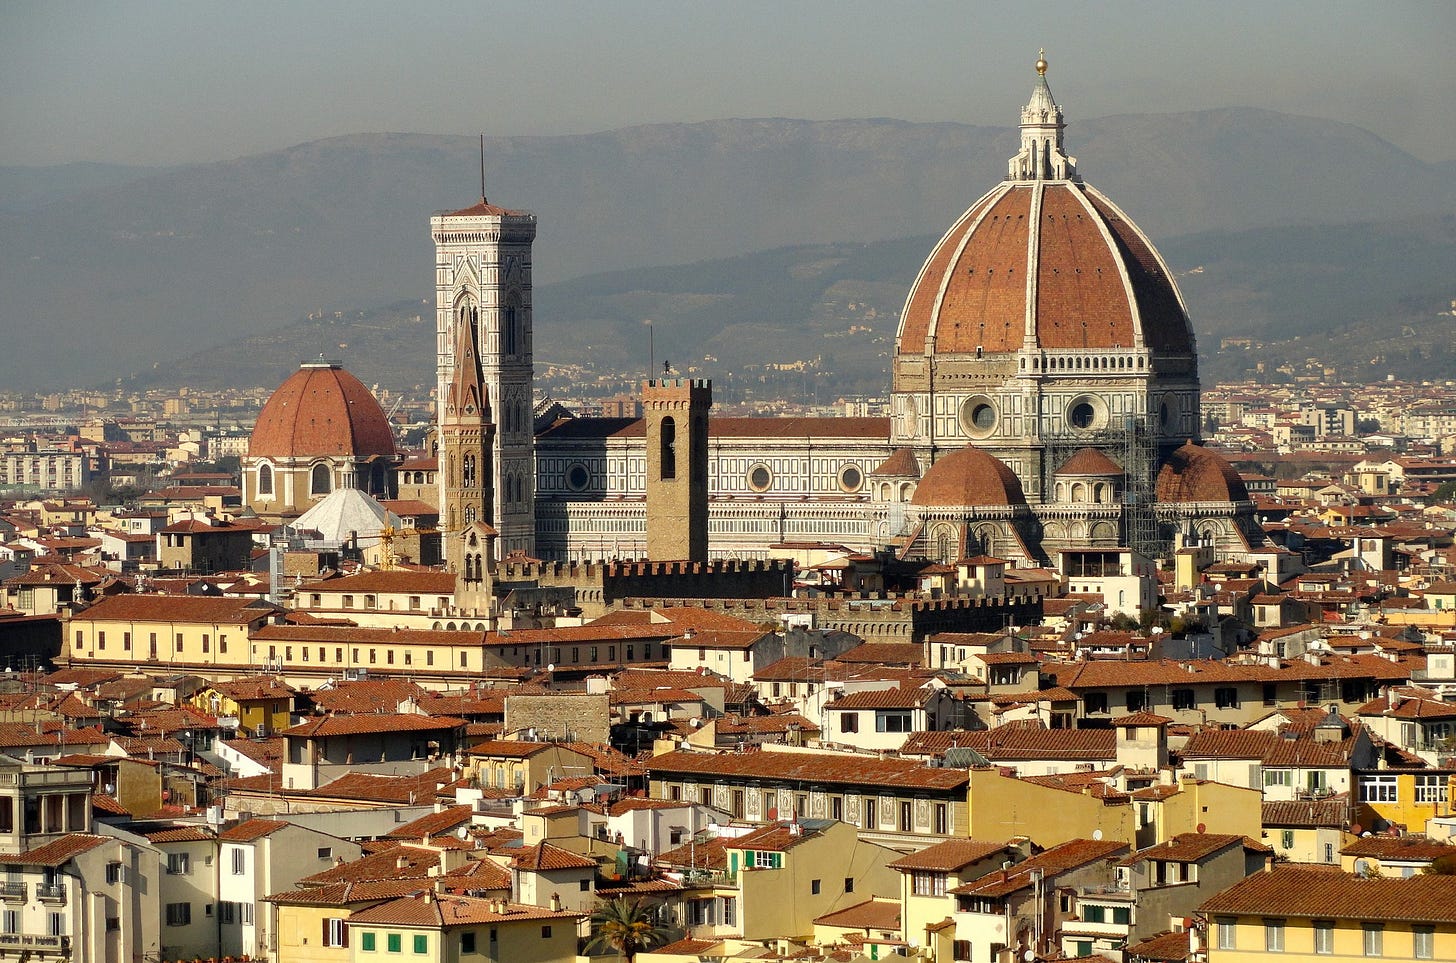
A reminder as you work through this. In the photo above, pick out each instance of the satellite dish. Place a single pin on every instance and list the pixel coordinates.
(462, 832)
(1357, 829)
(695, 722)
(550, 666)
(1097, 835)
(1202, 827)
(1028, 954)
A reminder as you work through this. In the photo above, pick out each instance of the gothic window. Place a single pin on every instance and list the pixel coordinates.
(479, 568)
(944, 546)
(265, 480)
(667, 453)
(469, 568)
(469, 514)
(319, 481)
(511, 325)
(467, 471)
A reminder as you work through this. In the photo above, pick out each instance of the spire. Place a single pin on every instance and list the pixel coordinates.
(483, 199)
(1041, 156)
(467, 397)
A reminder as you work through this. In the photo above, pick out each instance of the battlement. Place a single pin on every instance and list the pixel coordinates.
(677, 392)
(636, 568)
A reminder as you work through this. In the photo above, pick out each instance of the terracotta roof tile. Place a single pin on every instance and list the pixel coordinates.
(831, 768)
(447, 911)
(544, 857)
(246, 832)
(949, 855)
(180, 608)
(57, 852)
(872, 914)
(1289, 891)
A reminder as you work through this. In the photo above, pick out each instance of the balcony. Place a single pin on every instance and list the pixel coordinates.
(12, 892)
(57, 944)
(55, 893)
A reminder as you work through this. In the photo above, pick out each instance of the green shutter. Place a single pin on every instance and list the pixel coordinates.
(422, 943)
(366, 942)
(394, 942)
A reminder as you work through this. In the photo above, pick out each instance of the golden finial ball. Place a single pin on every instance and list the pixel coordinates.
(1041, 64)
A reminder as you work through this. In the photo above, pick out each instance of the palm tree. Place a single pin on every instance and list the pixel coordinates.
(625, 925)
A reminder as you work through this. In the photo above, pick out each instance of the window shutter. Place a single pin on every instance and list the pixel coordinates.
(343, 933)
(325, 940)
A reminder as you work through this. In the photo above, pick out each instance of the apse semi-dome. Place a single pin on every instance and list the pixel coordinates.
(969, 477)
(321, 410)
(1197, 474)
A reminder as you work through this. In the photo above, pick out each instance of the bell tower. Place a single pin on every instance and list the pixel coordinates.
(676, 415)
(483, 276)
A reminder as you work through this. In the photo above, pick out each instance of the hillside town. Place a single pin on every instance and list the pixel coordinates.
(1050, 653)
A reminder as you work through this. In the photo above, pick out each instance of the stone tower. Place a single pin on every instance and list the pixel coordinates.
(466, 443)
(483, 274)
(676, 413)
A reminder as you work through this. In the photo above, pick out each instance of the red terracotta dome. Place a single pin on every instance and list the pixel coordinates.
(1090, 462)
(1196, 474)
(1055, 255)
(321, 410)
(1043, 260)
(969, 477)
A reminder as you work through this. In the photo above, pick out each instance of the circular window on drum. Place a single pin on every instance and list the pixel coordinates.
(578, 477)
(760, 477)
(979, 416)
(1086, 413)
(851, 479)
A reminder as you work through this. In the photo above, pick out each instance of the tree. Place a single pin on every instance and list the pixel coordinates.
(1444, 494)
(626, 926)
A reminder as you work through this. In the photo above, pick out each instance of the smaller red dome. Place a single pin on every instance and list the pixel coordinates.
(1197, 474)
(969, 477)
(1090, 462)
(321, 410)
(900, 464)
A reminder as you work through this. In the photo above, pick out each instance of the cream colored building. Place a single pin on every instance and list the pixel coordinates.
(1307, 916)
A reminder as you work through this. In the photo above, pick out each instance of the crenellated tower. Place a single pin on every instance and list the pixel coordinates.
(483, 278)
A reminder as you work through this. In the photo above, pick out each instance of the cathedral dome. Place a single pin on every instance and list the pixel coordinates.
(321, 410)
(1091, 463)
(1196, 474)
(1043, 261)
(969, 478)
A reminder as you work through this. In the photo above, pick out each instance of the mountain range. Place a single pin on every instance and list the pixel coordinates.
(108, 271)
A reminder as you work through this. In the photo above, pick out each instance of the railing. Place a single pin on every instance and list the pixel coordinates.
(12, 891)
(55, 893)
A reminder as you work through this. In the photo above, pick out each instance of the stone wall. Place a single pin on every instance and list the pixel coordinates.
(576, 718)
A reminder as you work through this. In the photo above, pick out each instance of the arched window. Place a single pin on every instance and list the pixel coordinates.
(667, 449)
(469, 568)
(470, 514)
(320, 482)
(467, 471)
(265, 480)
(511, 325)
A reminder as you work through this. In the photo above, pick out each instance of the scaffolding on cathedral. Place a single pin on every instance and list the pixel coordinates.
(1134, 446)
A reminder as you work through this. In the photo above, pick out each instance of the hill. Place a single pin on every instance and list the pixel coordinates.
(1359, 297)
(113, 278)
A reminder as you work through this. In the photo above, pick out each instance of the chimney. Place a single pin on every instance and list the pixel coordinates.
(556, 902)
(401, 862)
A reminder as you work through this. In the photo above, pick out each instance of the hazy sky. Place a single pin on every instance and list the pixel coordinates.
(166, 83)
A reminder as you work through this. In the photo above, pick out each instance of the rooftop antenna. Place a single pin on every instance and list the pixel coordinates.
(482, 169)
